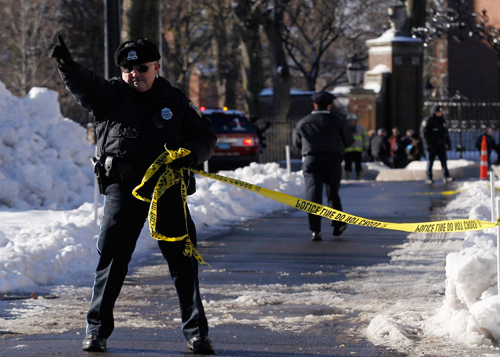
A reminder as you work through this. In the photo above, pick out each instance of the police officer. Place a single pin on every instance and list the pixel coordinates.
(434, 133)
(322, 138)
(136, 116)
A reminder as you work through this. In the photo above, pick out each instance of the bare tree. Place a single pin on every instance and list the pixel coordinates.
(307, 29)
(27, 28)
(313, 27)
(267, 15)
(272, 21)
(187, 37)
(241, 45)
(225, 51)
(248, 26)
(81, 23)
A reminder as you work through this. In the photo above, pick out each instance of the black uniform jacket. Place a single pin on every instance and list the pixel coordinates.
(322, 132)
(434, 131)
(134, 126)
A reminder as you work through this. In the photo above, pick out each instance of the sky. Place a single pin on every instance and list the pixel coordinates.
(48, 222)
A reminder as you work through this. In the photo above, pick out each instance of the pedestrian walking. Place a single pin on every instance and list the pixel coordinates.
(381, 148)
(434, 133)
(354, 153)
(322, 137)
(137, 116)
(490, 143)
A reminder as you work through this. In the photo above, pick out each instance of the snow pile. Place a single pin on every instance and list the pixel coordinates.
(56, 247)
(44, 166)
(217, 203)
(384, 328)
(471, 310)
(44, 158)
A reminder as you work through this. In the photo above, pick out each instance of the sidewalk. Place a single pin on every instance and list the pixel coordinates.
(380, 172)
(270, 291)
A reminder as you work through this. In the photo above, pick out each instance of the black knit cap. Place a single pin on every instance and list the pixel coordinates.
(436, 108)
(323, 97)
(136, 52)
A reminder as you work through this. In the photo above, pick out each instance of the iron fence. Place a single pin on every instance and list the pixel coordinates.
(278, 136)
(466, 119)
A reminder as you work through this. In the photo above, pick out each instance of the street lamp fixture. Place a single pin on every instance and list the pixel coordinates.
(355, 71)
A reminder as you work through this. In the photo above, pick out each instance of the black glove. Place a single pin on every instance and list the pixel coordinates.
(186, 161)
(61, 54)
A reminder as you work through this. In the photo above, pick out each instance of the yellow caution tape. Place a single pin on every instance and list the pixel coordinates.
(496, 188)
(171, 177)
(444, 193)
(167, 179)
(456, 225)
(450, 192)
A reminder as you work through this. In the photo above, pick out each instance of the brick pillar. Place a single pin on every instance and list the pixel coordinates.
(362, 102)
(402, 55)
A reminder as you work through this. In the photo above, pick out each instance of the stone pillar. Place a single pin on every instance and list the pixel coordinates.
(362, 102)
(402, 55)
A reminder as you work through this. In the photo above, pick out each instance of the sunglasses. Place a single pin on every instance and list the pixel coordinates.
(142, 68)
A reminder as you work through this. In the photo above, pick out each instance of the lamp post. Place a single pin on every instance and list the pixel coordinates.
(362, 101)
(355, 71)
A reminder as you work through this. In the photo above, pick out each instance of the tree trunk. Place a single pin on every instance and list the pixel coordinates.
(273, 24)
(416, 11)
(226, 64)
(248, 25)
(141, 18)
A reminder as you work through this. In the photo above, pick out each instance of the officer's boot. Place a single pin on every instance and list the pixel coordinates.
(359, 175)
(347, 175)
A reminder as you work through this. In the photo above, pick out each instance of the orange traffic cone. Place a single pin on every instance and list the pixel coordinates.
(483, 174)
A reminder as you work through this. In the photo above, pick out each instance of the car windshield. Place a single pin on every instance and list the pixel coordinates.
(230, 123)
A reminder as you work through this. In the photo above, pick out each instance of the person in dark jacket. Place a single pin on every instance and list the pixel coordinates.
(322, 137)
(434, 133)
(413, 146)
(381, 148)
(137, 117)
(490, 143)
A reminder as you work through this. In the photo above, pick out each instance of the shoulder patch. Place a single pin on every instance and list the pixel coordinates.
(195, 108)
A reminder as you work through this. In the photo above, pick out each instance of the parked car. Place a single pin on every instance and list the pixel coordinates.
(237, 140)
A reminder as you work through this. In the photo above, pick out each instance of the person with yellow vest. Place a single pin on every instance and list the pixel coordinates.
(354, 153)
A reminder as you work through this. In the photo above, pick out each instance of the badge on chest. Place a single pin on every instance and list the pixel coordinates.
(166, 113)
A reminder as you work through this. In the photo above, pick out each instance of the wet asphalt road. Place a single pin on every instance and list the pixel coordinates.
(275, 249)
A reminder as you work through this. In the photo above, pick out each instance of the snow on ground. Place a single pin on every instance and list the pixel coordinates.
(48, 228)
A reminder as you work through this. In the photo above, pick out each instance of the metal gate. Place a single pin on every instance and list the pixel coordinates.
(467, 120)
(278, 136)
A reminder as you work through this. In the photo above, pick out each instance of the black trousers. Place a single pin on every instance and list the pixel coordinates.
(353, 157)
(322, 170)
(440, 152)
(124, 217)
